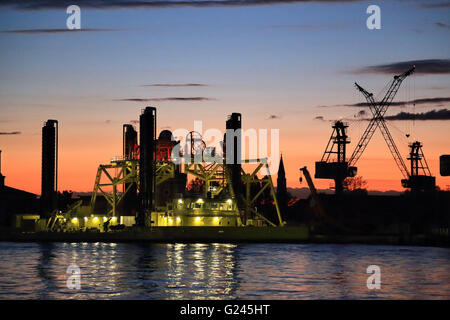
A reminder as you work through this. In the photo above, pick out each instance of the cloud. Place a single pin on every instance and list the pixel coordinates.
(273, 117)
(443, 25)
(312, 27)
(432, 101)
(438, 5)
(443, 114)
(429, 66)
(114, 4)
(175, 85)
(438, 87)
(10, 133)
(52, 31)
(166, 99)
(360, 114)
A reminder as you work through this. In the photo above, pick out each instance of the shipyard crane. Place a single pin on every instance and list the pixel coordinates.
(413, 180)
(420, 178)
(378, 110)
(320, 215)
(320, 212)
(333, 164)
(340, 169)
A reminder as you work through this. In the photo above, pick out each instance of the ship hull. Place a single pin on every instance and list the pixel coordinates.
(172, 234)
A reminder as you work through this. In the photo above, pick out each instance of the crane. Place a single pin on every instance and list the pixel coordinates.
(420, 178)
(378, 110)
(340, 169)
(320, 215)
(413, 180)
(335, 167)
(318, 204)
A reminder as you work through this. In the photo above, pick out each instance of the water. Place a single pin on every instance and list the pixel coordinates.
(221, 271)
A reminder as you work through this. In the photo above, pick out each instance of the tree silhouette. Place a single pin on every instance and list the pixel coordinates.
(355, 183)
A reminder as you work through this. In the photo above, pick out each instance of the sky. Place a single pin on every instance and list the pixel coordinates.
(287, 65)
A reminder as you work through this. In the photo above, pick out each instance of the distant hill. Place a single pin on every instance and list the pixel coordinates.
(304, 192)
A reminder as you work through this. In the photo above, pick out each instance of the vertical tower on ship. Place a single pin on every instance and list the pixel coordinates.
(147, 158)
(130, 152)
(49, 185)
(233, 147)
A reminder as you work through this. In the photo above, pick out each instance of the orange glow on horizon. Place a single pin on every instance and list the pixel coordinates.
(77, 170)
(302, 142)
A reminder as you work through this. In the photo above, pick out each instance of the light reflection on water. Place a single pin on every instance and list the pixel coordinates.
(221, 271)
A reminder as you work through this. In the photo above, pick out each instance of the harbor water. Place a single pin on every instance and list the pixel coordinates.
(220, 271)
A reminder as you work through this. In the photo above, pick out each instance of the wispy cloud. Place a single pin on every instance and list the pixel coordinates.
(443, 25)
(438, 87)
(52, 31)
(10, 133)
(312, 27)
(273, 117)
(166, 99)
(428, 66)
(360, 114)
(436, 5)
(430, 101)
(443, 114)
(175, 85)
(113, 4)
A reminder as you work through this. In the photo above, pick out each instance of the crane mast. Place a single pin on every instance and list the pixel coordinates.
(333, 164)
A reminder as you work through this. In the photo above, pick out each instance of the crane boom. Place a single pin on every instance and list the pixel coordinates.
(378, 120)
(378, 112)
(318, 204)
(393, 148)
(393, 89)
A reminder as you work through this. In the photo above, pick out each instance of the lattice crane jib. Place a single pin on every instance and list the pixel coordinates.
(378, 110)
(336, 144)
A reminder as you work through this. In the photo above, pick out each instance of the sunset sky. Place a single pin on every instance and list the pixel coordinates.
(287, 65)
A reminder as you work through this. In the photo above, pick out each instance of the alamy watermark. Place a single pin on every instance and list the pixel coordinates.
(235, 146)
(374, 20)
(74, 280)
(73, 21)
(374, 280)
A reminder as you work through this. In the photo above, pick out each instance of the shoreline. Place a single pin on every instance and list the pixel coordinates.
(299, 234)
